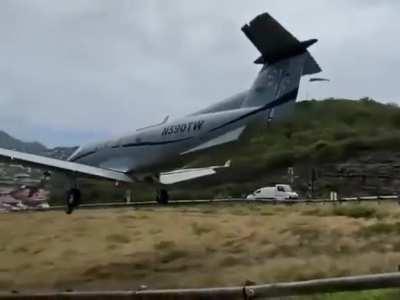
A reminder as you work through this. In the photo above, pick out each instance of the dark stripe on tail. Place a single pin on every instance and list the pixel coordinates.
(281, 100)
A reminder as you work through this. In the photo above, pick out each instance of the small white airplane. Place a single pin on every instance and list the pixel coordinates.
(158, 154)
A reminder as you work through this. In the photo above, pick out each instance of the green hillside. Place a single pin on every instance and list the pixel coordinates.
(339, 138)
(325, 131)
(329, 136)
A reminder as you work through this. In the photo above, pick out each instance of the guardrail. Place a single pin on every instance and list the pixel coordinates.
(236, 200)
(227, 200)
(317, 286)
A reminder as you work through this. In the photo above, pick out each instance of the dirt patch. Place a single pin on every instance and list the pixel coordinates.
(118, 238)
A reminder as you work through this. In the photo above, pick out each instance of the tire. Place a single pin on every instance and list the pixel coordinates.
(72, 200)
(162, 197)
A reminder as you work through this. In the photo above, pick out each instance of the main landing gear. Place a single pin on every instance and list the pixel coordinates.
(162, 196)
(72, 200)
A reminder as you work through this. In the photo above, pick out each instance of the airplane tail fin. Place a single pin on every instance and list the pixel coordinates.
(284, 58)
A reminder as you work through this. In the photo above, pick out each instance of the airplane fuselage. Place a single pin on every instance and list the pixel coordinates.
(164, 145)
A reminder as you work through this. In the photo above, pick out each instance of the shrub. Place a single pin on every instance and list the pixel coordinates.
(230, 261)
(118, 238)
(381, 228)
(200, 229)
(173, 255)
(351, 211)
(355, 211)
(164, 245)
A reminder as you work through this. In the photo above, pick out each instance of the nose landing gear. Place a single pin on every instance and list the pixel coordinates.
(162, 196)
(72, 200)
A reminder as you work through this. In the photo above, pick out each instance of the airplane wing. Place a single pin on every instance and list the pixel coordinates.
(187, 174)
(61, 166)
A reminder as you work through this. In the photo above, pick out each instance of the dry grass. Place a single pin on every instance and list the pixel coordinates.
(197, 246)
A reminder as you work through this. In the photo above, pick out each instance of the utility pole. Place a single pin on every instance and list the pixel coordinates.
(291, 175)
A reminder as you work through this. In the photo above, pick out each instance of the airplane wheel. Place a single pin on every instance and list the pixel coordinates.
(162, 196)
(72, 199)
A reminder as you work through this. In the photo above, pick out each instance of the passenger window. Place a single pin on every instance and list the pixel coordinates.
(281, 189)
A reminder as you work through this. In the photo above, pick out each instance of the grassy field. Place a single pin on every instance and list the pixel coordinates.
(198, 246)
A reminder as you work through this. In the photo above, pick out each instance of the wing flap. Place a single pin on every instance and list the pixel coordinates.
(227, 137)
(65, 167)
(188, 174)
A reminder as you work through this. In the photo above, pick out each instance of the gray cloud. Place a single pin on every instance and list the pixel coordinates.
(77, 70)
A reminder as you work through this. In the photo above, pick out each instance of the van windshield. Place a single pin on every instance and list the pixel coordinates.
(286, 188)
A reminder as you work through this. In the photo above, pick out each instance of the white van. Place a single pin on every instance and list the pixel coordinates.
(277, 192)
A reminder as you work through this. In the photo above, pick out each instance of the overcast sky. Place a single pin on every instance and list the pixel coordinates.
(77, 71)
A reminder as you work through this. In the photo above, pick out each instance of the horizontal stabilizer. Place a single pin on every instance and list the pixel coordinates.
(188, 174)
(311, 66)
(272, 40)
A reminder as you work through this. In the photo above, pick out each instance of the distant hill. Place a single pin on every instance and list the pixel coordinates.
(59, 152)
(12, 143)
(9, 142)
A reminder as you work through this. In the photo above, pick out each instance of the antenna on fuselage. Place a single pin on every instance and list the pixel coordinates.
(155, 125)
